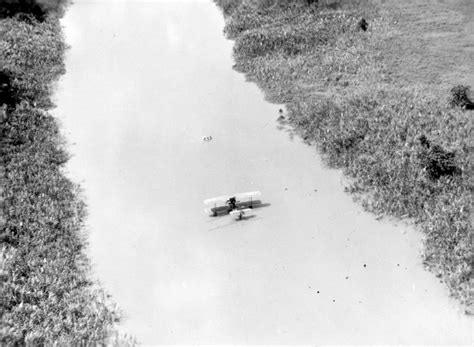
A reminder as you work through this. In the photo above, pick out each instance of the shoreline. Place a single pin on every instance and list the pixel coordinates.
(343, 96)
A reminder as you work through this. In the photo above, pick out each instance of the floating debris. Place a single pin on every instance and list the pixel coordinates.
(207, 138)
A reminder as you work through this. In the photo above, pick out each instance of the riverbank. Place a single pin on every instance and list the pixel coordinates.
(375, 101)
(48, 295)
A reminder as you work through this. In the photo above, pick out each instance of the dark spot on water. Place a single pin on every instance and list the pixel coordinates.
(365, 265)
(398, 264)
(347, 277)
(286, 188)
(317, 292)
(334, 301)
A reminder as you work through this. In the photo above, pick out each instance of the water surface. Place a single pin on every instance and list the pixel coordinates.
(145, 82)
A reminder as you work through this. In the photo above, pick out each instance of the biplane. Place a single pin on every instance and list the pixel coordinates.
(236, 205)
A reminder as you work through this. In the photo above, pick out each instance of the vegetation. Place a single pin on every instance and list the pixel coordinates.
(406, 148)
(47, 293)
(27, 9)
(32, 58)
(459, 97)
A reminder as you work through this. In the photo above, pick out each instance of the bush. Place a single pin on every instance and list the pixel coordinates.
(459, 97)
(437, 161)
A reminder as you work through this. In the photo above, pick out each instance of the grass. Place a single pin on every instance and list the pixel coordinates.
(48, 295)
(377, 104)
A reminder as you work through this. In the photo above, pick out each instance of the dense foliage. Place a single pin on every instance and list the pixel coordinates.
(32, 52)
(47, 293)
(27, 9)
(406, 149)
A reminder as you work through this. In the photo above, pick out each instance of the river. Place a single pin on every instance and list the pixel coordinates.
(145, 82)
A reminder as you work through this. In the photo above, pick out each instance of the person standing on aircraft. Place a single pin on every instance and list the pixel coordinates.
(231, 203)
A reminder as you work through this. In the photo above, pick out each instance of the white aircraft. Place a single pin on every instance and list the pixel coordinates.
(236, 205)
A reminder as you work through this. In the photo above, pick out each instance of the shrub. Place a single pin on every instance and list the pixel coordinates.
(436, 160)
(459, 97)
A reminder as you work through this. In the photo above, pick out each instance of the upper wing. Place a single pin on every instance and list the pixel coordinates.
(219, 199)
(248, 195)
(223, 199)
